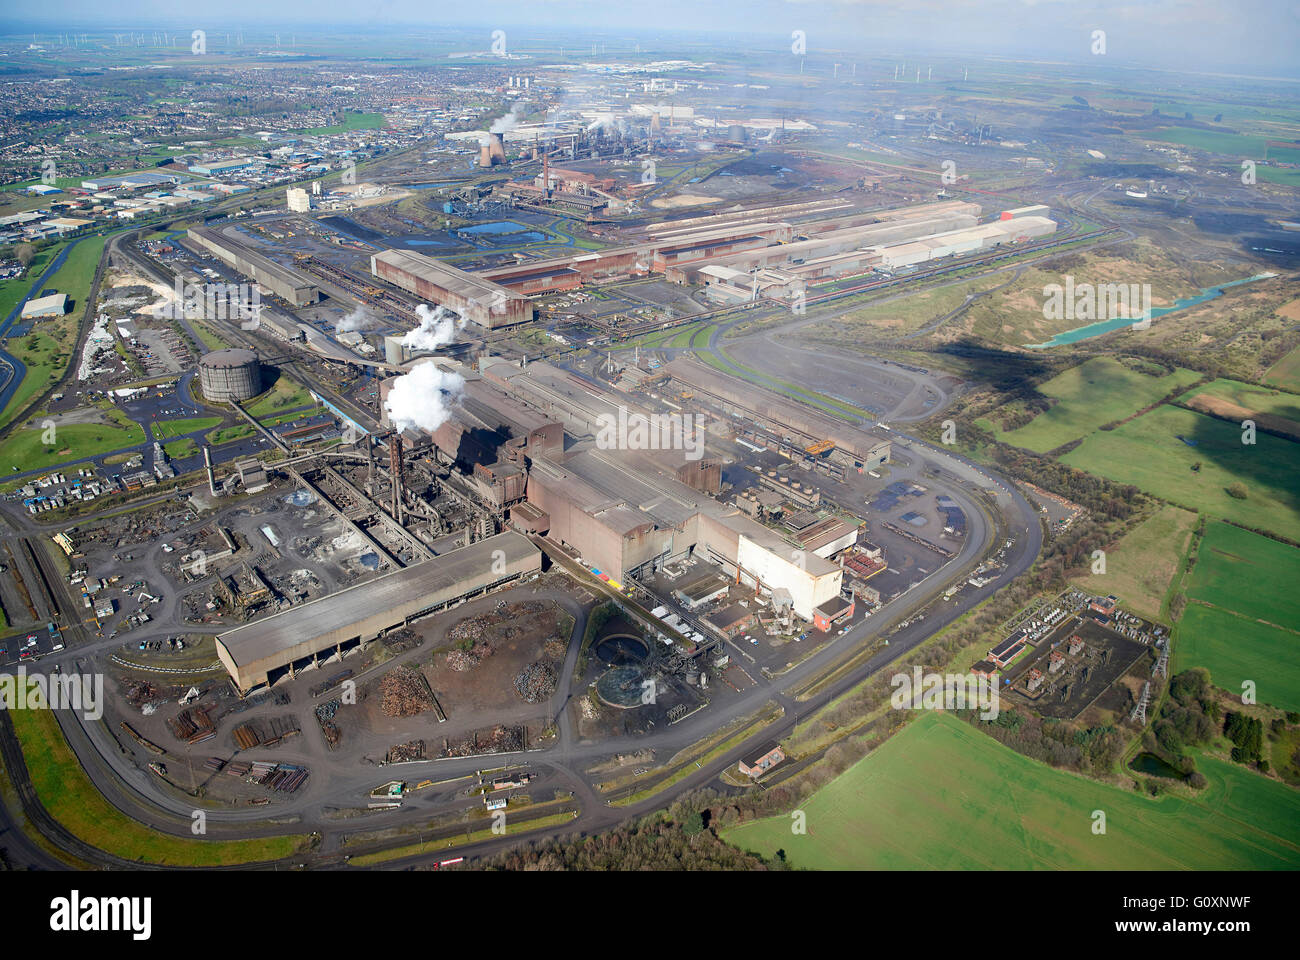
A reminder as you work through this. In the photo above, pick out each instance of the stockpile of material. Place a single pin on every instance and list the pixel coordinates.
(325, 717)
(536, 682)
(404, 693)
(406, 752)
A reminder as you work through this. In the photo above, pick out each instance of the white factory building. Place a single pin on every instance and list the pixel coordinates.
(986, 236)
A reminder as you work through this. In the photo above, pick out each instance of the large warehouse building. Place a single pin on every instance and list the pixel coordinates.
(474, 297)
(794, 422)
(284, 282)
(264, 651)
(626, 515)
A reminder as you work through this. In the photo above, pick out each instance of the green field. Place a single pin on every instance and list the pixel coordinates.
(227, 434)
(1253, 397)
(55, 339)
(1146, 452)
(1235, 145)
(351, 121)
(1286, 372)
(27, 450)
(941, 795)
(11, 291)
(1141, 566)
(897, 315)
(1235, 648)
(1098, 391)
(180, 449)
(284, 395)
(1248, 574)
(167, 429)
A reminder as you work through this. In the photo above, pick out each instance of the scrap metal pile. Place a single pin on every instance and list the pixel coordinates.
(193, 725)
(477, 637)
(325, 717)
(536, 682)
(404, 692)
(406, 752)
(500, 739)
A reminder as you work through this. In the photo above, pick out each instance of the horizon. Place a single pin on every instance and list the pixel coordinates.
(1258, 37)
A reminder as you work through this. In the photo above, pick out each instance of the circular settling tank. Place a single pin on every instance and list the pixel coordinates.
(621, 686)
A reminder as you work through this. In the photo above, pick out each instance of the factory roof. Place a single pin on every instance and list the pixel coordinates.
(729, 616)
(266, 267)
(429, 583)
(489, 405)
(825, 531)
(54, 304)
(449, 278)
(767, 404)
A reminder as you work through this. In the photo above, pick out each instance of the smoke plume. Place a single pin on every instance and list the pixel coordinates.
(437, 328)
(509, 121)
(423, 398)
(358, 319)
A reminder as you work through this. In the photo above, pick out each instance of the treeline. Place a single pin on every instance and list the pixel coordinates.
(1188, 718)
(1247, 736)
(680, 838)
(1058, 743)
(1100, 496)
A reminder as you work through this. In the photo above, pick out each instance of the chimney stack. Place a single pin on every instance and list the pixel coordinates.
(395, 470)
(207, 465)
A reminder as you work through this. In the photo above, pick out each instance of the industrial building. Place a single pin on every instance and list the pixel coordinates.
(486, 303)
(217, 168)
(796, 423)
(758, 762)
(284, 282)
(852, 244)
(298, 200)
(487, 425)
(970, 240)
(230, 375)
(55, 305)
(264, 651)
(628, 515)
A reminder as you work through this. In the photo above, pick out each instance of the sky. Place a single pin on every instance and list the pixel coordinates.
(1253, 36)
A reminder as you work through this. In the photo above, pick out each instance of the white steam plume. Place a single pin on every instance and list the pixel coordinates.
(509, 121)
(358, 319)
(423, 398)
(437, 328)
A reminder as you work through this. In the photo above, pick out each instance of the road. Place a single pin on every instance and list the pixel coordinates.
(566, 760)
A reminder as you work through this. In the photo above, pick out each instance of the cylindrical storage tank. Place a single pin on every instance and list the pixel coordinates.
(226, 375)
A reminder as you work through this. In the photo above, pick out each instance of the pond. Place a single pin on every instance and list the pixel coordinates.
(1154, 766)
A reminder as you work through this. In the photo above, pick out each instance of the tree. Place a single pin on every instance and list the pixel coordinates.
(1237, 489)
(24, 253)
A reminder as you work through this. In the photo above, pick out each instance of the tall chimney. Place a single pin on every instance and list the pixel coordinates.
(207, 465)
(395, 470)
